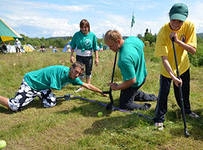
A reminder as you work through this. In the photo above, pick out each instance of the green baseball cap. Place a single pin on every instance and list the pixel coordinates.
(178, 11)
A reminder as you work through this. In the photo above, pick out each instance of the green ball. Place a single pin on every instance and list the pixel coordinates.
(2, 144)
(100, 114)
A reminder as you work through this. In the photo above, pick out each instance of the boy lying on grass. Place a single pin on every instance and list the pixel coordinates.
(40, 82)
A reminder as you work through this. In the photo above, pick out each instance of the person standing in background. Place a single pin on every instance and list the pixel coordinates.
(18, 46)
(84, 43)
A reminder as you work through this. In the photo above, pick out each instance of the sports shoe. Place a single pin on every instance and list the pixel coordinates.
(79, 90)
(159, 125)
(193, 115)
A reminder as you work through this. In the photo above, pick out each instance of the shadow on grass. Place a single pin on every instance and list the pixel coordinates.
(5, 110)
(194, 125)
(109, 121)
(117, 122)
(91, 109)
(36, 103)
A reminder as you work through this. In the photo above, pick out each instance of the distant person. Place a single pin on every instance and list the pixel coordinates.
(3, 48)
(42, 48)
(84, 42)
(40, 82)
(9, 47)
(54, 50)
(184, 35)
(18, 46)
(131, 62)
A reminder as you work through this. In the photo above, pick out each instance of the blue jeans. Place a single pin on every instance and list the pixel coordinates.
(165, 83)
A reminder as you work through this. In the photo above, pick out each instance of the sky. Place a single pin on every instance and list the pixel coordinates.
(56, 18)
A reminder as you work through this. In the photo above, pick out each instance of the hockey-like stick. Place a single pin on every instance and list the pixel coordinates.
(110, 105)
(180, 92)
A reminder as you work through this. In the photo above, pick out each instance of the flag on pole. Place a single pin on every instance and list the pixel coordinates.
(133, 20)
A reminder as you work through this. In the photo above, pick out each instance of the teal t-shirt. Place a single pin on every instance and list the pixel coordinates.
(52, 77)
(84, 42)
(131, 60)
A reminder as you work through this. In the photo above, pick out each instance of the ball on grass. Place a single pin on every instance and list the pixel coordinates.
(100, 114)
(2, 144)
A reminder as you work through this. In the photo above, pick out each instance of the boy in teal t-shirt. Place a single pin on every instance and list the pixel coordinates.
(131, 62)
(40, 82)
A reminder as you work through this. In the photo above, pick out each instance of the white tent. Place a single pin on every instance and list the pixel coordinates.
(24, 48)
(11, 49)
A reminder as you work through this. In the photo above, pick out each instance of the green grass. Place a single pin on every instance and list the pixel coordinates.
(75, 125)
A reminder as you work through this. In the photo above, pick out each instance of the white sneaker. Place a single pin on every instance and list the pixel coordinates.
(194, 115)
(159, 125)
(79, 90)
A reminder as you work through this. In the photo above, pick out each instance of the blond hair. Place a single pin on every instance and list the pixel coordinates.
(112, 35)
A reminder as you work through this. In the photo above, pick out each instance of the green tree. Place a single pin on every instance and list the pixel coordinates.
(149, 37)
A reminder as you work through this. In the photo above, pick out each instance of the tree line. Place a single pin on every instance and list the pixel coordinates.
(148, 38)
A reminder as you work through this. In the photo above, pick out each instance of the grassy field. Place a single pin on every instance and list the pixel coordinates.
(74, 125)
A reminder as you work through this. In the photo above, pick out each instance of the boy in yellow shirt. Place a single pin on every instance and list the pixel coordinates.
(184, 35)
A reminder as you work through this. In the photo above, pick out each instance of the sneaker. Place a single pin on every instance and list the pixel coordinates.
(79, 90)
(159, 125)
(193, 115)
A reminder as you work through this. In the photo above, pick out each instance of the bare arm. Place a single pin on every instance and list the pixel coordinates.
(185, 46)
(123, 85)
(96, 57)
(169, 70)
(4, 101)
(72, 58)
(92, 88)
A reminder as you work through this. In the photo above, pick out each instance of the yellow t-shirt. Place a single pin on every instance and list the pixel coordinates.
(164, 46)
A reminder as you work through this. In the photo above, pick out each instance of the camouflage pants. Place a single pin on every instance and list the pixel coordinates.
(25, 95)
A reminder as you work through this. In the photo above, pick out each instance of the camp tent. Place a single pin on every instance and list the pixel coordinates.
(67, 47)
(7, 33)
(11, 49)
(28, 48)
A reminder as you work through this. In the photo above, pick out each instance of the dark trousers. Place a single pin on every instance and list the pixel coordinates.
(165, 83)
(127, 97)
(131, 94)
(88, 62)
